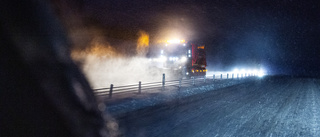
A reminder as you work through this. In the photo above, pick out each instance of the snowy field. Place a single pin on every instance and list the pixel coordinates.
(273, 106)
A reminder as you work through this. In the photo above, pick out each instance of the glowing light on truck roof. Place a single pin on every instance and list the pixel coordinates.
(175, 41)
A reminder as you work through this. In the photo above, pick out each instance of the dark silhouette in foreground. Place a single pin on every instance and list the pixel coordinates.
(42, 92)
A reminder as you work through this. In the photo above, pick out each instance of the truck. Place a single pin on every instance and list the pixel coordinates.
(180, 58)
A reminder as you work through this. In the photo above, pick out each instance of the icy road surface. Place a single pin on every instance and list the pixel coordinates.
(274, 106)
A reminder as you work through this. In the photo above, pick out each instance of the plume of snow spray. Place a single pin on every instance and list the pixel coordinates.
(103, 65)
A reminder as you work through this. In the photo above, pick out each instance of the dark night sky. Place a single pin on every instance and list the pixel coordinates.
(281, 36)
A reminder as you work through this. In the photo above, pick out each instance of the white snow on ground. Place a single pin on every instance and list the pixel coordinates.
(273, 106)
(171, 93)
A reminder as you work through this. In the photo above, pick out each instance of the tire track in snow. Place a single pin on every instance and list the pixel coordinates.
(262, 113)
(238, 105)
(280, 120)
(253, 114)
(211, 107)
(245, 111)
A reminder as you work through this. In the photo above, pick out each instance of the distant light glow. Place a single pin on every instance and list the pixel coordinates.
(176, 41)
(261, 73)
(236, 70)
(163, 58)
(255, 71)
(243, 71)
(173, 58)
(183, 59)
(173, 41)
(248, 72)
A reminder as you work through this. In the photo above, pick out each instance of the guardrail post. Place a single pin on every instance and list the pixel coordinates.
(139, 87)
(237, 76)
(221, 76)
(232, 75)
(180, 84)
(214, 77)
(204, 78)
(110, 92)
(163, 80)
(227, 76)
(193, 83)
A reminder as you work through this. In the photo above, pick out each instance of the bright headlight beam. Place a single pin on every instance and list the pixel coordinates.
(173, 41)
(163, 58)
(249, 72)
(183, 59)
(176, 41)
(235, 70)
(261, 73)
(243, 71)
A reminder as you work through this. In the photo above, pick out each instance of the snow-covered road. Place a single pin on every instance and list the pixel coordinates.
(273, 106)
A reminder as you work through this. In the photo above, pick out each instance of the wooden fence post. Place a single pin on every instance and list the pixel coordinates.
(180, 80)
(193, 83)
(110, 92)
(163, 80)
(139, 87)
(214, 77)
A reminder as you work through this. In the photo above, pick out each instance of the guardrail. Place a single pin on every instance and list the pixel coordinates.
(163, 84)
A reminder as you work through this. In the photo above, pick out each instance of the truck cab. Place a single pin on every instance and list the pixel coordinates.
(186, 59)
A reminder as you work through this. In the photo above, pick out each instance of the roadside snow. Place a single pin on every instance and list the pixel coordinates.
(134, 103)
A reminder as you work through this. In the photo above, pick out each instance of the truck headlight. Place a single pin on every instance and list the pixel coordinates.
(163, 58)
(183, 59)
